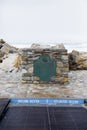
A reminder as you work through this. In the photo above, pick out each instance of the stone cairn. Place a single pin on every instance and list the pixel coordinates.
(57, 53)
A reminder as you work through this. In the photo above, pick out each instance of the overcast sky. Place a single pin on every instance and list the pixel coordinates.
(43, 20)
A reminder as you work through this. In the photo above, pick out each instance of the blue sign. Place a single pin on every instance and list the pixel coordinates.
(49, 101)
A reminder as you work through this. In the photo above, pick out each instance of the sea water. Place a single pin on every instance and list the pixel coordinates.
(69, 46)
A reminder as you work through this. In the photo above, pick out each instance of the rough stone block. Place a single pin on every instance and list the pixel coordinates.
(65, 79)
(26, 78)
(35, 82)
(27, 75)
(64, 69)
(36, 78)
(23, 82)
(59, 64)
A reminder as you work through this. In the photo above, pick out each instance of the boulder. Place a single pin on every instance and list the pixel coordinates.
(58, 46)
(35, 46)
(77, 60)
(12, 51)
(6, 48)
(2, 41)
(1, 54)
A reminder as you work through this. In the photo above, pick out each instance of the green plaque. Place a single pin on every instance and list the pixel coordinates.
(44, 68)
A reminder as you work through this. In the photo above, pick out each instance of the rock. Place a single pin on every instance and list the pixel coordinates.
(59, 64)
(2, 41)
(65, 79)
(35, 82)
(1, 54)
(58, 46)
(11, 70)
(1, 46)
(23, 82)
(12, 51)
(77, 60)
(35, 46)
(39, 46)
(1, 60)
(6, 48)
(36, 78)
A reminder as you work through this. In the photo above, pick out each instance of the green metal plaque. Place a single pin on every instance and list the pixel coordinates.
(44, 68)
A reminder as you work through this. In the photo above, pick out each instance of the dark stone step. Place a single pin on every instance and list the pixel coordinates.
(3, 106)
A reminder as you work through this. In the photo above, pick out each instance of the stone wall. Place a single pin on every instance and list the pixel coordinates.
(60, 56)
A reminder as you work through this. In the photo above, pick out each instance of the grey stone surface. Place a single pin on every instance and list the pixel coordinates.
(11, 86)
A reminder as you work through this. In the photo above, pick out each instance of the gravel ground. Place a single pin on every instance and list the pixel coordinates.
(11, 87)
(78, 83)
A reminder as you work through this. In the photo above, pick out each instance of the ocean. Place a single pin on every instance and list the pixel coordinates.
(69, 46)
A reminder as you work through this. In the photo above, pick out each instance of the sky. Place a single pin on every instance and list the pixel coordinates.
(43, 21)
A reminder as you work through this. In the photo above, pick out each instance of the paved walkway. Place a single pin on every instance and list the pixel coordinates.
(10, 86)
